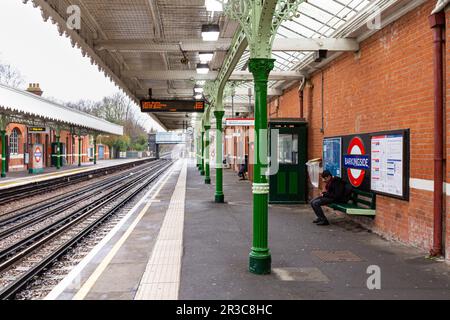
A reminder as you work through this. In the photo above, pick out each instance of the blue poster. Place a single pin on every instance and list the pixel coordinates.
(332, 155)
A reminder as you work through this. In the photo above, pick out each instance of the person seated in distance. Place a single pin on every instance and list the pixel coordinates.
(334, 192)
(243, 169)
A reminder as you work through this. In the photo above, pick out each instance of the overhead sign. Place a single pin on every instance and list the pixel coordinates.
(356, 161)
(172, 106)
(170, 138)
(35, 129)
(240, 122)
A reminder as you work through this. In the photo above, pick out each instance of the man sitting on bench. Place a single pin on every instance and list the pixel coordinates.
(334, 192)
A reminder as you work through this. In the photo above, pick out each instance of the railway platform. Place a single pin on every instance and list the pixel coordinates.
(177, 243)
(22, 178)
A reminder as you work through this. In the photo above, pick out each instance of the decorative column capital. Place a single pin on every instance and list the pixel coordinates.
(261, 68)
(219, 114)
(207, 127)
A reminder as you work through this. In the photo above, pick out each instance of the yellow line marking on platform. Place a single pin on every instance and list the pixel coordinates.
(161, 279)
(87, 286)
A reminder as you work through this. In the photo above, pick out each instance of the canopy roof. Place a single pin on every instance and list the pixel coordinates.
(142, 44)
(29, 108)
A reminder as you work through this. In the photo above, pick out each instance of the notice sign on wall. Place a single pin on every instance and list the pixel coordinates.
(332, 155)
(388, 161)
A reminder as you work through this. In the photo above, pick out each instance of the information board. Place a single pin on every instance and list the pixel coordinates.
(332, 155)
(172, 106)
(388, 164)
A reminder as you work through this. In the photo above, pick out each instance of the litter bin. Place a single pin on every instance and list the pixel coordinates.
(314, 171)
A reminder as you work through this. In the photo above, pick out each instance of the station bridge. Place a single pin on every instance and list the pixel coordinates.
(338, 104)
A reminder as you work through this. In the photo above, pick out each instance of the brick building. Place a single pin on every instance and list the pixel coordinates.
(387, 85)
(20, 137)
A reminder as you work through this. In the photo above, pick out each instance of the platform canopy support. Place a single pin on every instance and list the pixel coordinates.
(58, 147)
(260, 20)
(95, 135)
(219, 196)
(202, 166)
(3, 124)
(207, 128)
(79, 148)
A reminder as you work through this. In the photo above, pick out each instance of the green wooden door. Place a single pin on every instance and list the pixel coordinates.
(288, 185)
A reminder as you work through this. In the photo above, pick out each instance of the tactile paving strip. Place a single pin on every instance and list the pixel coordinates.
(161, 279)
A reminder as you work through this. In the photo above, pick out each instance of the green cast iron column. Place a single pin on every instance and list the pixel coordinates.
(58, 152)
(79, 151)
(260, 258)
(202, 167)
(3, 134)
(198, 152)
(95, 149)
(219, 196)
(207, 171)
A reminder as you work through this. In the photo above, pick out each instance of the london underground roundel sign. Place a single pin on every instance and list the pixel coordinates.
(356, 161)
(38, 155)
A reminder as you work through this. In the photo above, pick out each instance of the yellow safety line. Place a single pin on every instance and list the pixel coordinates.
(87, 286)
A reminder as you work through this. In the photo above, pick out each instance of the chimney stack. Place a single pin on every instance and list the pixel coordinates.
(34, 88)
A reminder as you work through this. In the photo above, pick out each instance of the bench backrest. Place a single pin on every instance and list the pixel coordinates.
(364, 199)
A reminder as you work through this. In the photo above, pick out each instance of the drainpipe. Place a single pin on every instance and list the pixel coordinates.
(301, 89)
(437, 23)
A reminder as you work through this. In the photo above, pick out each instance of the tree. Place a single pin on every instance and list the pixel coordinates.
(120, 110)
(10, 76)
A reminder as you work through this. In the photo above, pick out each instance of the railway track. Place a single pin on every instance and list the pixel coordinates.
(39, 187)
(54, 205)
(22, 261)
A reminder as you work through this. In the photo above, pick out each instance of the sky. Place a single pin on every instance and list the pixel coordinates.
(36, 49)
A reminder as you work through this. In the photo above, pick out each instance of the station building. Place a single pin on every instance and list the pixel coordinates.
(388, 85)
(370, 91)
(36, 127)
(385, 88)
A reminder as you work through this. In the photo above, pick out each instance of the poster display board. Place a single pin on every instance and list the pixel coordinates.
(332, 155)
(389, 167)
(371, 162)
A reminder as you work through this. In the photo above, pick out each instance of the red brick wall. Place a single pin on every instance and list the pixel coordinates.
(17, 162)
(387, 86)
(447, 105)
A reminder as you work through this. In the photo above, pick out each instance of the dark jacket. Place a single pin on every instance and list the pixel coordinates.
(336, 190)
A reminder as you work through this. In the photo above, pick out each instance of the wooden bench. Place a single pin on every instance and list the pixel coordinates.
(361, 204)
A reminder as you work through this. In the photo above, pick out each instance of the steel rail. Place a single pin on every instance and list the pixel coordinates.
(24, 191)
(63, 203)
(64, 223)
(12, 289)
(63, 199)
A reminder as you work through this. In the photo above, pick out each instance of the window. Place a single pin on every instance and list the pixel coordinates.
(14, 142)
(288, 148)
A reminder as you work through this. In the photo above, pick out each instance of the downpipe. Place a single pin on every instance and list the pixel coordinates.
(437, 23)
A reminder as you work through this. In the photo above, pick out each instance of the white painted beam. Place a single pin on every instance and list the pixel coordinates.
(289, 44)
(330, 44)
(172, 46)
(160, 93)
(212, 75)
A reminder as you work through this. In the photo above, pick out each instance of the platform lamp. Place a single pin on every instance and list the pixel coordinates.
(210, 32)
(198, 90)
(205, 56)
(213, 5)
(202, 68)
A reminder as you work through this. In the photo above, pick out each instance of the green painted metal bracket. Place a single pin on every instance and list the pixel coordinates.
(260, 20)
(4, 121)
